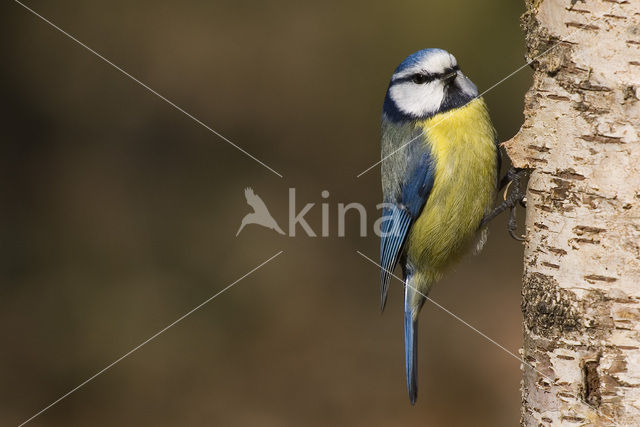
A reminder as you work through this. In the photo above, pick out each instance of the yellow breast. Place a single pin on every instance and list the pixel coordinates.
(462, 143)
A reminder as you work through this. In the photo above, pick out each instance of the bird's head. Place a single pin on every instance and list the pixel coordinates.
(426, 83)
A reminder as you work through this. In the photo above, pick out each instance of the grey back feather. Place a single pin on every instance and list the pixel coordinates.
(399, 139)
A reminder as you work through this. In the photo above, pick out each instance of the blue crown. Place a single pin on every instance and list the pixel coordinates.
(416, 58)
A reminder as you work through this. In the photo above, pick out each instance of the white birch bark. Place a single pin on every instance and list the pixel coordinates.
(581, 285)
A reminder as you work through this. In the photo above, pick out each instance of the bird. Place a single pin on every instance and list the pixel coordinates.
(439, 170)
(260, 214)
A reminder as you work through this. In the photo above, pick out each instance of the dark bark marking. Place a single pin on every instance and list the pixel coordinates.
(548, 310)
(591, 383)
(599, 278)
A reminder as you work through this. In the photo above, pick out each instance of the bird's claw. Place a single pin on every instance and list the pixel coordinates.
(512, 225)
(513, 196)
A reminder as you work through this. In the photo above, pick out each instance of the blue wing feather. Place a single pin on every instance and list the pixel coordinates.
(416, 187)
(391, 246)
(410, 200)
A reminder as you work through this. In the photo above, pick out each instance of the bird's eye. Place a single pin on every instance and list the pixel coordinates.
(420, 78)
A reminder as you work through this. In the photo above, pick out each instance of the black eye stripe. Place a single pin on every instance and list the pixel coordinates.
(423, 78)
(426, 78)
(420, 78)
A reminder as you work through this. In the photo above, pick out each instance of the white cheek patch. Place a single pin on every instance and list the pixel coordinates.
(418, 99)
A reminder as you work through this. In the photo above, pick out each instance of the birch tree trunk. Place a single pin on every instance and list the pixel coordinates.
(581, 284)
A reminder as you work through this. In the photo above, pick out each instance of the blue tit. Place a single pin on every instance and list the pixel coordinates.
(439, 177)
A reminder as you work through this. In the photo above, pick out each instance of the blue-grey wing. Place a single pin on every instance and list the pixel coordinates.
(402, 208)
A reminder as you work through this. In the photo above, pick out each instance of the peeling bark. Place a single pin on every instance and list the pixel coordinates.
(581, 285)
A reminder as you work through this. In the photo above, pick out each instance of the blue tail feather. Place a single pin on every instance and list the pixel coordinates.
(411, 343)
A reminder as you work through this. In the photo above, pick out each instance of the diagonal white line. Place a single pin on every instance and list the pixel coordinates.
(513, 73)
(458, 318)
(183, 111)
(152, 337)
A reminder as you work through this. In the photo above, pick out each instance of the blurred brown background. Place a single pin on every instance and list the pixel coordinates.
(119, 214)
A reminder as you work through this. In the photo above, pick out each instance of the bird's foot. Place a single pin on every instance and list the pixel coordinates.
(513, 196)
